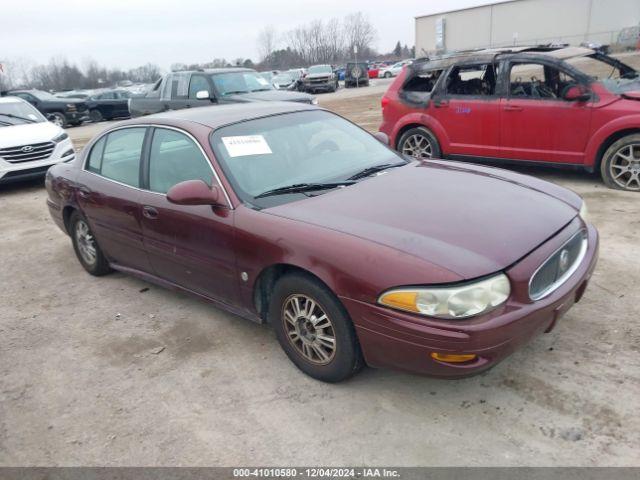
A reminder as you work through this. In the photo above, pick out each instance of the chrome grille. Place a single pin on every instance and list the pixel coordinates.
(319, 80)
(558, 267)
(27, 153)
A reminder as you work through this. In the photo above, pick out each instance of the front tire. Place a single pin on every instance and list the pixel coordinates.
(86, 247)
(314, 329)
(59, 119)
(419, 143)
(620, 165)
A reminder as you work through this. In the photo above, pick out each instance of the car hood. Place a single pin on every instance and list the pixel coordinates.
(270, 96)
(317, 75)
(15, 135)
(632, 95)
(471, 221)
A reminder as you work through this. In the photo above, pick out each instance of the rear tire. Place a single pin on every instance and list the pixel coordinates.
(96, 116)
(387, 74)
(620, 165)
(86, 247)
(419, 143)
(314, 329)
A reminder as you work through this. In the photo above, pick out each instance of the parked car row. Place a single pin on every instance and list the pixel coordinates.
(197, 200)
(326, 78)
(70, 109)
(197, 88)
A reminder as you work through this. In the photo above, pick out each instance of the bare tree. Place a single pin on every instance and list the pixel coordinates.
(267, 42)
(360, 33)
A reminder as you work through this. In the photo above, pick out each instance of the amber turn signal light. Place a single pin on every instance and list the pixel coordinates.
(453, 358)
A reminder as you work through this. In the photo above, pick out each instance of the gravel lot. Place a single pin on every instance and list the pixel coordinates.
(116, 371)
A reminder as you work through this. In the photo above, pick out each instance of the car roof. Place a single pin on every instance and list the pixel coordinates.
(10, 99)
(218, 70)
(217, 116)
(489, 54)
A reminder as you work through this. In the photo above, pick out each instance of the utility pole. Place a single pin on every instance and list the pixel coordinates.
(355, 55)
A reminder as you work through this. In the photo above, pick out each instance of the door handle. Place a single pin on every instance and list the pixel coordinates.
(149, 212)
(513, 108)
(441, 103)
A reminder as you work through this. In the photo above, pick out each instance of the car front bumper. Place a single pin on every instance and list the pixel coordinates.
(403, 341)
(13, 172)
(315, 87)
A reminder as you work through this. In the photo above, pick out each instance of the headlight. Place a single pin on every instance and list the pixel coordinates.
(450, 302)
(584, 212)
(314, 101)
(61, 137)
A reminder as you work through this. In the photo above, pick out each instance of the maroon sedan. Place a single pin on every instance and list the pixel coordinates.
(291, 215)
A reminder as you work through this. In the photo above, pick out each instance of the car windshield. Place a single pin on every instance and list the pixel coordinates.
(320, 69)
(42, 95)
(240, 82)
(295, 148)
(612, 76)
(18, 113)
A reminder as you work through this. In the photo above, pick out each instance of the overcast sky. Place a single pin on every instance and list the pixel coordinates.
(128, 33)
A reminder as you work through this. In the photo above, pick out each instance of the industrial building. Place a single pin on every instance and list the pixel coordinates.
(524, 22)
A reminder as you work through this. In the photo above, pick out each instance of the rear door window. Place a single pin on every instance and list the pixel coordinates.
(118, 158)
(471, 80)
(94, 163)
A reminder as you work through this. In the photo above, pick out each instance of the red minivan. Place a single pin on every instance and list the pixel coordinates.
(570, 107)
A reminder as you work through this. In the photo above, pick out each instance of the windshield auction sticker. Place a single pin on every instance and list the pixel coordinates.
(244, 145)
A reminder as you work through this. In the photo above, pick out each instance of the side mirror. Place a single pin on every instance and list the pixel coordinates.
(202, 95)
(382, 137)
(194, 192)
(576, 93)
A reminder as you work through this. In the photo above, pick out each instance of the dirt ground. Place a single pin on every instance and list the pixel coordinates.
(116, 371)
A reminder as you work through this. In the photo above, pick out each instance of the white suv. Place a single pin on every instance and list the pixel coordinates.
(29, 144)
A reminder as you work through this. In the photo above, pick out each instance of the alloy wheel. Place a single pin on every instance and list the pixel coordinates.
(86, 242)
(418, 146)
(309, 329)
(58, 120)
(625, 167)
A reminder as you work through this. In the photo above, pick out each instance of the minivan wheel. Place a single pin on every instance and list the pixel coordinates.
(87, 250)
(314, 329)
(95, 116)
(620, 166)
(419, 143)
(58, 119)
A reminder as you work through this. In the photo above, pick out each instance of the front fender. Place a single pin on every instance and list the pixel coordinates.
(350, 266)
(600, 136)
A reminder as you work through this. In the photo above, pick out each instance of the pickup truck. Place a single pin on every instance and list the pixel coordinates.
(61, 111)
(198, 88)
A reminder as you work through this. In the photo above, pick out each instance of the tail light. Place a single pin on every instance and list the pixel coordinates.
(384, 102)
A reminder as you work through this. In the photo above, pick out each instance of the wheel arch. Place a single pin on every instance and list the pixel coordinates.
(267, 279)
(422, 121)
(610, 140)
(66, 217)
